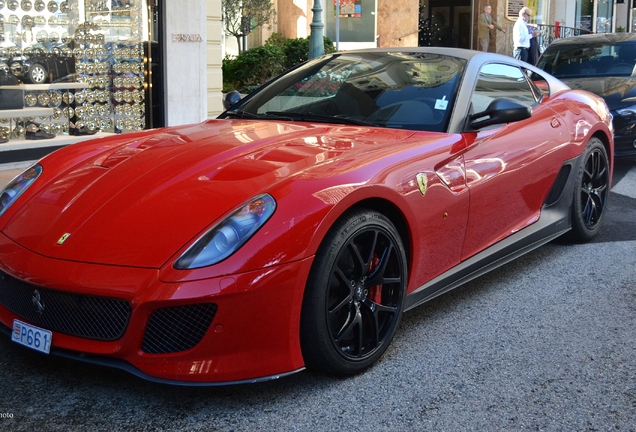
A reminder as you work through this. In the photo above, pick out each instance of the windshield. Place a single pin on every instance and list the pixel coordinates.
(590, 60)
(395, 90)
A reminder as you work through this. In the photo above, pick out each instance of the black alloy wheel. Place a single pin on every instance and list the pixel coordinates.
(355, 294)
(591, 192)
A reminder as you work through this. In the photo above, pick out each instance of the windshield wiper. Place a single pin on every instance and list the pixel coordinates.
(311, 116)
(249, 115)
(242, 114)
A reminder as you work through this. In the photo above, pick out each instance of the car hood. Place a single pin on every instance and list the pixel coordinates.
(138, 202)
(616, 91)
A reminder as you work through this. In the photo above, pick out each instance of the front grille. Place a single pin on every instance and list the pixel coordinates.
(177, 328)
(86, 316)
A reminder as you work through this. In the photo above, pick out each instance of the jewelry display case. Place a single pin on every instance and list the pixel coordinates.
(83, 60)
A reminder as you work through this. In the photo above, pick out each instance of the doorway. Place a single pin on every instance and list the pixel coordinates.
(445, 23)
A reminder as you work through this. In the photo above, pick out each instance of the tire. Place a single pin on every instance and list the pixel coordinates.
(591, 192)
(355, 294)
(38, 74)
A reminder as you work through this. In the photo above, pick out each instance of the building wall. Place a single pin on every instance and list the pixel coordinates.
(214, 56)
(502, 42)
(294, 17)
(186, 81)
(398, 23)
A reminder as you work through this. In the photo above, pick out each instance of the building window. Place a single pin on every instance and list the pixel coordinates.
(100, 49)
(356, 21)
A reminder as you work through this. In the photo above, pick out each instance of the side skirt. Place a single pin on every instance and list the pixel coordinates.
(555, 220)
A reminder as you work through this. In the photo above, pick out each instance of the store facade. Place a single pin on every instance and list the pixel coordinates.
(449, 22)
(350, 24)
(77, 67)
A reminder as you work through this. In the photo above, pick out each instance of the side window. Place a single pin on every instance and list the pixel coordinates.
(498, 80)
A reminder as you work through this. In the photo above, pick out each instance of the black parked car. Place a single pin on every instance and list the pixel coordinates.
(37, 66)
(603, 64)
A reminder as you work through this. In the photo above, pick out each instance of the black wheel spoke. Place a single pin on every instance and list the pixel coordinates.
(372, 249)
(377, 275)
(351, 332)
(348, 299)
(599, 191)
(357, 255)
(373, 328)
(600, 175)
(589, 211)
(377, 308)
(347, 326)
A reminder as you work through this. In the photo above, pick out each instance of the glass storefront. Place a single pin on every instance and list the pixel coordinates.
(604, 16)
(540, 11)
(87, 61)
(595, 16)
(356, 21)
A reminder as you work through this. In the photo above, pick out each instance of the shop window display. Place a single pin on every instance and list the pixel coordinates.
(83, 59)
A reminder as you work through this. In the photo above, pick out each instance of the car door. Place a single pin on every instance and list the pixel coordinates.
(510, 168)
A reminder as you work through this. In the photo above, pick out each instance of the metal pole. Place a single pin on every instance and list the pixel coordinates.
(337, 25)
(316, 42)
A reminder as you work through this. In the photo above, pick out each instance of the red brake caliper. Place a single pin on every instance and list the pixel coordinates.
(375, 292)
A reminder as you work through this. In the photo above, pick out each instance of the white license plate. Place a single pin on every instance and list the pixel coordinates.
(31, 336)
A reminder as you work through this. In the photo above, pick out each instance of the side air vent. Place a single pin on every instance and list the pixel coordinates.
(559, 185)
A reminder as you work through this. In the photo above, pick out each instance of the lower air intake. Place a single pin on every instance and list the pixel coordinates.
(177, 328)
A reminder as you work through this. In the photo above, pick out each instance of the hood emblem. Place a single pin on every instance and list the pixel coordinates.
(37, 302)
(63, 238)
(422, 183)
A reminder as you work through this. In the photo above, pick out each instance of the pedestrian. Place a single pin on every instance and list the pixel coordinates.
(521, 35)
(486, 24)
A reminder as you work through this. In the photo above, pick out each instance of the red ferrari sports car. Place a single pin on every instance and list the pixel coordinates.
(295, 229)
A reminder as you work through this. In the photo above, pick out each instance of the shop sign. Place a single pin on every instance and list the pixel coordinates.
(179, 37)
(512, 9)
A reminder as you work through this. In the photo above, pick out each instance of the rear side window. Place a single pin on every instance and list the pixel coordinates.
(589, 60)
(497, 81)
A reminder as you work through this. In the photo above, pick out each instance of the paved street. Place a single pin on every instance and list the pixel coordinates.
(544, 343)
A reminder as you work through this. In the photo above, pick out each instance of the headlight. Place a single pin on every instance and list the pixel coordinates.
(627, 111)
(227, 237)
(18, 185)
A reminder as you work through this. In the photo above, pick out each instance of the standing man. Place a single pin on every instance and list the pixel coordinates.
(486, 23)
(521, 35)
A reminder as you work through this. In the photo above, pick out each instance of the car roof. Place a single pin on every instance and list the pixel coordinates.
(454, 52)
(597, 38)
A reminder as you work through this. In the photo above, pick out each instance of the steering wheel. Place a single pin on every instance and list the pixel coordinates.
(621, 68)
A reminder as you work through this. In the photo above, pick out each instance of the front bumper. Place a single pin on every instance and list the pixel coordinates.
(624, 135)
(624, 145)
(254, 333)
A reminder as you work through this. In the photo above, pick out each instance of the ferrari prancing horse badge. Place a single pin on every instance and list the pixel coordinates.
(422, 182)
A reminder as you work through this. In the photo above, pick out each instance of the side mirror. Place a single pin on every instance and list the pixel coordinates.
(231, 98)
(500, 111)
